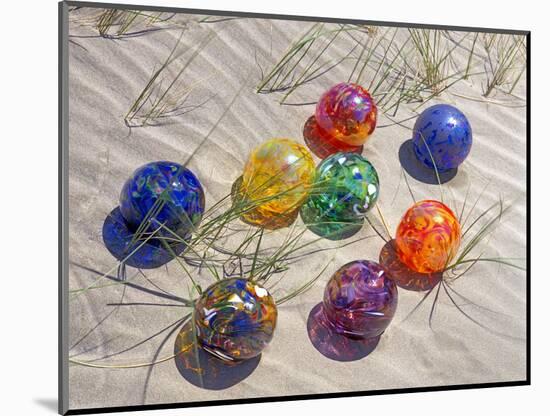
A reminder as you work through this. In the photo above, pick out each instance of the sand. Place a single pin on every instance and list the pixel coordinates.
(122, 324)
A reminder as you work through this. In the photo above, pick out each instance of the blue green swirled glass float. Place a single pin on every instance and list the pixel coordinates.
(346, 188)
(235, 319)
(442, 137)
(160, 206)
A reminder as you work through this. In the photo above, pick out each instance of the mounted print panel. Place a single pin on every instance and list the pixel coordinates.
(275, 207)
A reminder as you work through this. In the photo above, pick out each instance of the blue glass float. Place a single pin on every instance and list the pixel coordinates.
(163, 196)
(140, 253)
(444, 132)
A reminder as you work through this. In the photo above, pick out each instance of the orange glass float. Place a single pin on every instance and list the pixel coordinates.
(428, 237)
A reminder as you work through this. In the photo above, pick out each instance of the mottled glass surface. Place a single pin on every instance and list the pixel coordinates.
(347, 113)
(235, 319)
(276, 181)
(360, 300)
(346, 188)
(442, 132)
(163, 193)
(428, 236)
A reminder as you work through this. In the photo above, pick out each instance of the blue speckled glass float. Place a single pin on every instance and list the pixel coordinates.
(163, 195)
(360, 300)
(346, 188)
(443, 131)
(235, 319)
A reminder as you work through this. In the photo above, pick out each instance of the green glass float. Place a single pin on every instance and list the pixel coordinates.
(346, 188)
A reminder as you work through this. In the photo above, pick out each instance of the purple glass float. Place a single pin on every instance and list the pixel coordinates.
(360, 300)
(442, 135)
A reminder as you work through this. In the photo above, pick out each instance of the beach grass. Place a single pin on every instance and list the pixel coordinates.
(113, 23)
(165, 94)
(397, 66)
(506, 62)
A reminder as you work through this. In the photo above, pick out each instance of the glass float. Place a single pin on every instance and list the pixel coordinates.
(276, 180)
(346, 188)
(346, 113)
(164, 196)
(235, 319)
(360, 300)
(428, 237)
(442, 134)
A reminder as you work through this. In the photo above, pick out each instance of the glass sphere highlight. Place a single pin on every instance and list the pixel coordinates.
(428, 237)
(280, 173)
(442, 133)
(235, 319)
(162, 193)
(346, 188)
(347, 113)
(360, 300)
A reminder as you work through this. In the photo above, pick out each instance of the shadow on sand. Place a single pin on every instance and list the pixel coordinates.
(403, 276)
(333, 345)
(322, 146)
(118, 239)
(202, 369)
(417, 170)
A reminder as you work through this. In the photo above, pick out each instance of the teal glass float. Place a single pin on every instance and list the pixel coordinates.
(164, 197)
(442, 137)
(346, 188)
(235, 319)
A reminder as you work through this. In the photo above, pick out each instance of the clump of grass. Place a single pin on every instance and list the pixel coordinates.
(506, 62)
(164, 97)
(382, 62)
(303, 62)
(399, 70)
(113, 23)
(464, 263)
(119, 24)
(395, 69)
(434, 57)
